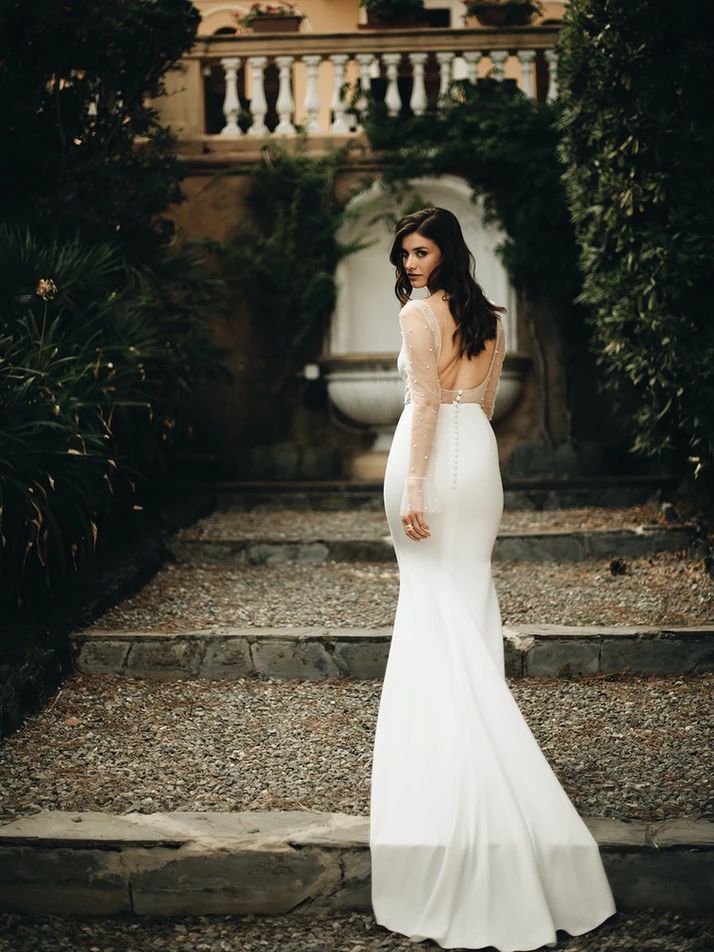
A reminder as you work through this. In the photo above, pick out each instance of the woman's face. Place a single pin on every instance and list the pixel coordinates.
(420, 255)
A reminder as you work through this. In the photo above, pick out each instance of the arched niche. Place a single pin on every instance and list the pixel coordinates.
(365, 318)
(359, 363)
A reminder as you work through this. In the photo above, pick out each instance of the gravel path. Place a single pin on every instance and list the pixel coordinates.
(295, 525)
(665, 588)
(621, 747)
(642, 931)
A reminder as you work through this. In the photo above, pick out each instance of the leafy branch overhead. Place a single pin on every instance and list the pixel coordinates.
(504, 145)
(281, 257)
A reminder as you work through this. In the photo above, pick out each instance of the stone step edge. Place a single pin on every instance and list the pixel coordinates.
(551, 545)
(349, 485)
(644, 529)
(282, 861)
(316, 653)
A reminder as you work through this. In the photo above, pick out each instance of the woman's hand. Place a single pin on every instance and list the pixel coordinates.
(415, 526)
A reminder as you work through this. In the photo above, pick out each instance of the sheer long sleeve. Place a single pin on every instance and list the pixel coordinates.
(489, 398)
(421, 347)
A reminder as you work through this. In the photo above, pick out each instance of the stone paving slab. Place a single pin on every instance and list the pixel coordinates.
(545, 545)
(273, 862)
(318, 653)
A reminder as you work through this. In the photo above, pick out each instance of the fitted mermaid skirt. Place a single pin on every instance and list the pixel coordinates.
(473, 841)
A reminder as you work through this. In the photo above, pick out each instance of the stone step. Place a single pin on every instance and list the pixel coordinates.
(318, 653)
(665, 589)
(539, 546)
(543, 492)
(631, 748)
(169, 864)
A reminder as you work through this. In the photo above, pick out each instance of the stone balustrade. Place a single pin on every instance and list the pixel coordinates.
(250, 85)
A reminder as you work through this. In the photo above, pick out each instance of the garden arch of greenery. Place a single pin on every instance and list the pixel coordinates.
(504, 145)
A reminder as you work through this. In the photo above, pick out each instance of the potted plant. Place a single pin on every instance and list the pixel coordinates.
(503, 12)
(272, 18)
(393, 14)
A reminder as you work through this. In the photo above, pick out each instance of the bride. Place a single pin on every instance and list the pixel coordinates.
(473, 841)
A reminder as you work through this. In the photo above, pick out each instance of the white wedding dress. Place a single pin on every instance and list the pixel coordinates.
(474, 843)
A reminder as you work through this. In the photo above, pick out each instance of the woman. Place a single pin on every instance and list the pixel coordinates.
(473, 841)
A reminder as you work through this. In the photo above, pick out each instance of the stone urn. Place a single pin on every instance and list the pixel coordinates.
(368, 391)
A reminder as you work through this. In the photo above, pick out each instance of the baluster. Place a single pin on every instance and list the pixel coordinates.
(392, 99)
(552, 61)
(444, 60)
(498, 58)
(312, 98)
(339, 122)
(285, 102)
(418, 101)
(526, 58)
(473, 57)
(231, 103)
(365, 61)
(258, 104)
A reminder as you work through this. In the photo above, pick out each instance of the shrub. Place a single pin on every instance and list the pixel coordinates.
(95, 369)
(281, 257)
(101, 314)
(637, 138)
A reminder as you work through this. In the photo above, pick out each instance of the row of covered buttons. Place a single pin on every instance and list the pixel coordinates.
(456, 402)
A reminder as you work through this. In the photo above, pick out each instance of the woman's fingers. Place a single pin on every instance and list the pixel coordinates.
(415, 526)
(420, 524)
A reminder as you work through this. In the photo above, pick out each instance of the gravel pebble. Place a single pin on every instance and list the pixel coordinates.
(667, 588)
(299, 525)
(621, 746)
(647, 930)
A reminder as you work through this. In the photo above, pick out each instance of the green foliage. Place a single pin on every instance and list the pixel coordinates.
(96, 362)
(282, 257)
(258, 10)
(512, 12)
(101, 335)
(393, 9)
(637, 139)
(504, 145)
(81, 151)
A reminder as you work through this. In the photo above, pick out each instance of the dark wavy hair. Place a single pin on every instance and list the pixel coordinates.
(474, 314)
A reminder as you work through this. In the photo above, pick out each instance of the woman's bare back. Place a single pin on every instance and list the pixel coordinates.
(457, 372)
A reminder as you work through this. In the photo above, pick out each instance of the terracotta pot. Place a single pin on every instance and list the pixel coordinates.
(503, 14)
(282, 24)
